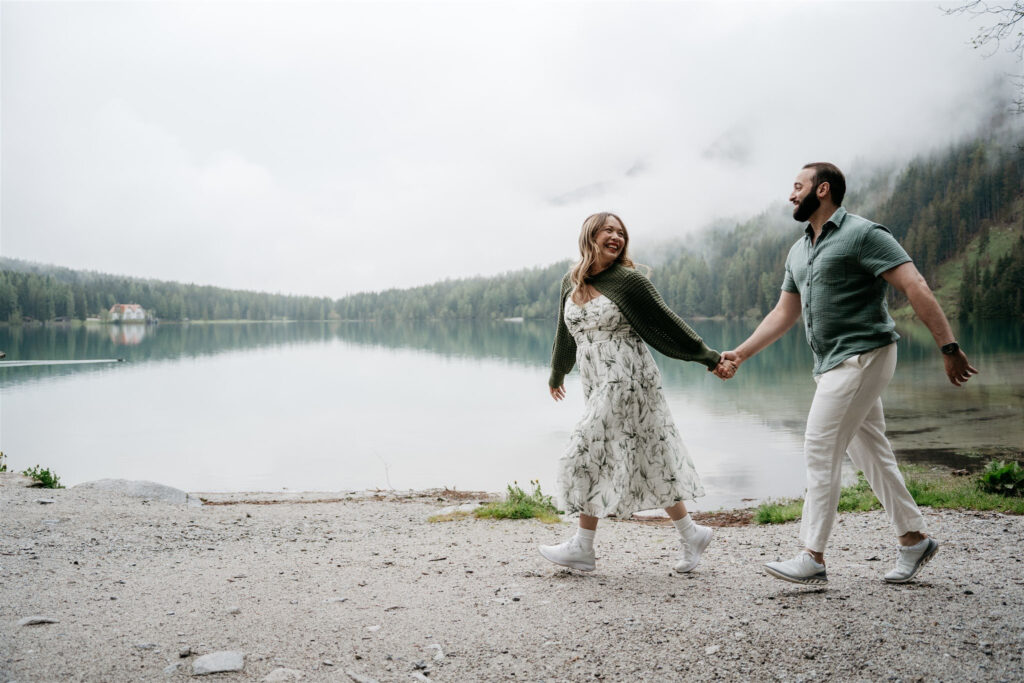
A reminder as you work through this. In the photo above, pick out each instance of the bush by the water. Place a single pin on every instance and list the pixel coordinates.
(1006, 478)
(44, 477)
(519, 504)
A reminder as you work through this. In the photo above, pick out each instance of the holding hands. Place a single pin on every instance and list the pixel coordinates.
(727, 365)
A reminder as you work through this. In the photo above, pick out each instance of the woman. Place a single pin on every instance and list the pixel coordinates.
(625, 454)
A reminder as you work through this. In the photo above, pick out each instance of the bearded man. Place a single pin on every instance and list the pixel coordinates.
(836, 278)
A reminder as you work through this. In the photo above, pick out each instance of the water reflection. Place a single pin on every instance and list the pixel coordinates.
(419, 404)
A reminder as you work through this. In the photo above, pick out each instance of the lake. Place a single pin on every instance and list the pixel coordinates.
(425, 404)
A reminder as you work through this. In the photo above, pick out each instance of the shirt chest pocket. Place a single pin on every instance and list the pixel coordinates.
(831, 269)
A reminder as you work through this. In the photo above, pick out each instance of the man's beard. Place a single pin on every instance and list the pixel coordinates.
(807, 206)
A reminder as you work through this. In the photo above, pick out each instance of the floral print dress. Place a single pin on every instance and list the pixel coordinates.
(625, 454)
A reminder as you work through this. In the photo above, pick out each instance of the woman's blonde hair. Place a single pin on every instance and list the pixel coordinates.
(589, 249)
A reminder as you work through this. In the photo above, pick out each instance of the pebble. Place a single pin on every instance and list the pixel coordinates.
(145, 646)
(439, 655)
(234, 610)
(171, 669)
(712, 649)
(45, 501)
(216, 662)
(373, 629)
(35, 619)
(360, 678)
(281, 675)
(334, 600)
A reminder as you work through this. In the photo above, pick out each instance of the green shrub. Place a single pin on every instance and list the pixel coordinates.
(779, 512)
(45, 478)
(1005, 478)
(519, 504)
(859, 497)
(3, 462)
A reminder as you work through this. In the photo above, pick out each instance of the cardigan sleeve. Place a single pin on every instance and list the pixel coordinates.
(563, 350)
(657, 325)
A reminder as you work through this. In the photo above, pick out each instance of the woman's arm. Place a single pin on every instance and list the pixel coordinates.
(659, 326)
(563, 350)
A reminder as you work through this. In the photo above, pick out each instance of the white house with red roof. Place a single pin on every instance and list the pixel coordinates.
(127, 313)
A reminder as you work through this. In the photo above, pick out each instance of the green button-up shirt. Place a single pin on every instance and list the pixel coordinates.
(841, 292)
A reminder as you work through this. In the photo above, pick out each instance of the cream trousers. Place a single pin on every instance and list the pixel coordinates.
(846, 417)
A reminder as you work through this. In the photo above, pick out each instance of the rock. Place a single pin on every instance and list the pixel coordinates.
(419, 665)
(333, 600)
(451, 509)
(359, 678)
(145, 646)
(45, 501)
(327, 662)
(712, 649)
(419, 676)
(36, 619)
(280, 675)
(147, 490)
(171, 669)
(234, 610)
(439, 655)
(185, 652)
(216, 662)
(373, 629)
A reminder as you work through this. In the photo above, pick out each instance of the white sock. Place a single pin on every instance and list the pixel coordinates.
(586, 538)
(685, 526)
(917, 547)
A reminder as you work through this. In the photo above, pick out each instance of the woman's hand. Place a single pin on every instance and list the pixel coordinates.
(725, 369)
(557, 393)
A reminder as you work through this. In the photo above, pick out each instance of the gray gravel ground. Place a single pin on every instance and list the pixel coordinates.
(365, 589)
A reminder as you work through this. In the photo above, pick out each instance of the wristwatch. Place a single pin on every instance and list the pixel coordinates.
(950, 348)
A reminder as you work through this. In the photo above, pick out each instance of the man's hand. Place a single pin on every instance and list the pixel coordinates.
(958, 370)
(557, 393)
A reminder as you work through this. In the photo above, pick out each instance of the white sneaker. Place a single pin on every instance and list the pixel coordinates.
(912, 558)
(570, 554)
(801, 569)
(689, 558)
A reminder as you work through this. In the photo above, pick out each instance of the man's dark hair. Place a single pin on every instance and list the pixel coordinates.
(825, 172)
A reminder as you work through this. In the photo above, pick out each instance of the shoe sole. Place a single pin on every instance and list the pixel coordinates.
(921, 562)
(700, 553)
(803, 580)
(571, 565)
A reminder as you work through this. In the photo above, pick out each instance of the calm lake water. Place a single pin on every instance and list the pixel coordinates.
(351, 406)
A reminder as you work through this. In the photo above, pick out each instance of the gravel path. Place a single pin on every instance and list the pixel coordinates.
(364, 589)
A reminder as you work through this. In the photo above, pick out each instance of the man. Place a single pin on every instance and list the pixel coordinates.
(836, 277)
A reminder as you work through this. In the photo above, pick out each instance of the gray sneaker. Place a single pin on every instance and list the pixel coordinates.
(801, 569)
(912, 558)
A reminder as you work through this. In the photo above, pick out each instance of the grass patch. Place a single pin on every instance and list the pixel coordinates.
(44, 477)
(929, 489)
(519, 504)
(3, 462)
(779, 511)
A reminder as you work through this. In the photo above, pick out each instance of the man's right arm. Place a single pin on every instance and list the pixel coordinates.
(774, 325)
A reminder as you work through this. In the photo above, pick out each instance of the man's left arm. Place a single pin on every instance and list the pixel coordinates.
(907, 279)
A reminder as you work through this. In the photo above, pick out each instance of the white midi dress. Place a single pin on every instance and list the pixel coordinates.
(625, 454)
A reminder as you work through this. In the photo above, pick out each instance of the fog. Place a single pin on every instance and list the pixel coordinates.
(330, 148)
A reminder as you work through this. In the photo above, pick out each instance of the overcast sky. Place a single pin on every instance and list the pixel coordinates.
(330, 148)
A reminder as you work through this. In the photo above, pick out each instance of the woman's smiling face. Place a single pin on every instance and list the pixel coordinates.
(611, 241)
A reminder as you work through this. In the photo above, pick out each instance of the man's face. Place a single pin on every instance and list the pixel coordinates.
(804, 196)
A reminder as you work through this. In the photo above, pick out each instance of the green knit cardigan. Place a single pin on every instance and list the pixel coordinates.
(646, 313)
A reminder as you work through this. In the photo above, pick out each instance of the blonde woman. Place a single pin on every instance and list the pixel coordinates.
(625, 453)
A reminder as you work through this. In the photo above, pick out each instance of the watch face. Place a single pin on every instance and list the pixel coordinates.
(951, 348)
